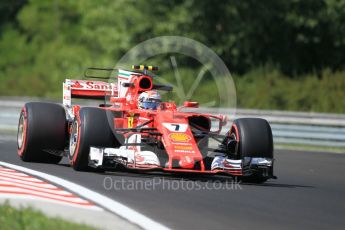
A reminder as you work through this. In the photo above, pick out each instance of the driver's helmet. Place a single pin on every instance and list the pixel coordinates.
(149, 100)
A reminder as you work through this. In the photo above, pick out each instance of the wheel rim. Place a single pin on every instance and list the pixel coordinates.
(234, 137)
(73, 139)
(21, 131)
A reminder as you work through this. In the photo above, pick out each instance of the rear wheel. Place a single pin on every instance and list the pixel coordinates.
(92, 127)
(42, 132)
(254, 139)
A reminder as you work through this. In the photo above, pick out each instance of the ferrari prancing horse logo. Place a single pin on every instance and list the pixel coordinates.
(130, 121)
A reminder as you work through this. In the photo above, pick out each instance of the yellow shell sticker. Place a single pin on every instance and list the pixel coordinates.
(179, 137)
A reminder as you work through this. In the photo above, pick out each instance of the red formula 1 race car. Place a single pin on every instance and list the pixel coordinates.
(136, 130)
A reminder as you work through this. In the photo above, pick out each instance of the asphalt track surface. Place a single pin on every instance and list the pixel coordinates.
(308, 194)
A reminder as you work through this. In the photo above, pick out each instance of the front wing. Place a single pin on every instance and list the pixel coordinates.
(130, 158)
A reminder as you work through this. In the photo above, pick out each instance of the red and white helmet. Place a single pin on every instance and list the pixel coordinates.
(149, 100)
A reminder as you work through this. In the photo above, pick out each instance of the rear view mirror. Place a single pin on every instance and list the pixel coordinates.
(117, 99)
(191, 104)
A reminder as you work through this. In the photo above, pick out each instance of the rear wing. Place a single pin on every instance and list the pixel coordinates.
(87, 89)
(94, 89)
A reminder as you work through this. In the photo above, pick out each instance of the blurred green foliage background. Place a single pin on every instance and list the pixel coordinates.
(287, 55)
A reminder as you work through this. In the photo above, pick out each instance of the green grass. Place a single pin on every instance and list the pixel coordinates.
(29, 219)
(268, 88)
(261, 88)
(310, 148)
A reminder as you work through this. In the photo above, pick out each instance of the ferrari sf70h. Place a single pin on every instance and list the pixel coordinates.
(136, 130)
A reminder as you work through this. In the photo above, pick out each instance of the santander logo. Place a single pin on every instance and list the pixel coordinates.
(91, 85)
(77, 85)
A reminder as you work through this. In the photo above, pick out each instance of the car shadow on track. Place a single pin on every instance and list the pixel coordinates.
(188, 177)
(278, 185)
(201, 178)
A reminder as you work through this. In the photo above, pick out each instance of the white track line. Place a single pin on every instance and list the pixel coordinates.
(110, 204)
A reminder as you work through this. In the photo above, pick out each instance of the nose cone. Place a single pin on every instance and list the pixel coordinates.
(186, 162)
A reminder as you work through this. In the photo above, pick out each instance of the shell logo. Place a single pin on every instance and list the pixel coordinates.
(179, 137)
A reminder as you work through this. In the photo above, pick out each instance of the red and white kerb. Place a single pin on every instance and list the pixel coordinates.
(15, 184)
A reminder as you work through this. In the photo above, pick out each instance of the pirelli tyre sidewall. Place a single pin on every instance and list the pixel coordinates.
(42, 129)
(254, 138)
(91, 127)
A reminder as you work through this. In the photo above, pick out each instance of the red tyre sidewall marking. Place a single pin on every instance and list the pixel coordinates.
(76, 152)
(21, 150)
(234, 126)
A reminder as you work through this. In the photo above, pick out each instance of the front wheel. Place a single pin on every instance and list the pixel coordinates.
(254, 142)
(91, 127)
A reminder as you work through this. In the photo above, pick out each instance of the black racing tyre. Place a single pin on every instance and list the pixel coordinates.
(254, 138)
(42, 129)
(91, 127)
